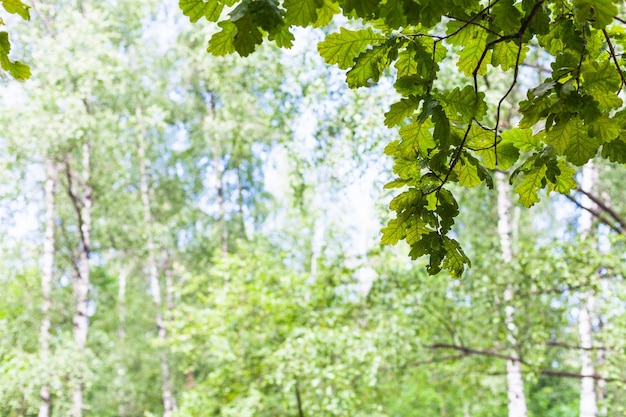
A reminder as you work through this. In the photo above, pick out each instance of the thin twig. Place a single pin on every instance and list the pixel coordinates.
(615, 61)
(596, 214)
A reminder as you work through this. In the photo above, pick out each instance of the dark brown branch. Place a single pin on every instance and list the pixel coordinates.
(456, 158)
(472, 20)
(470, 351)
(299, 400)
(76, 204)
(619, 19)
(518, 35)
(499, 109)
(619, 219)
(44, 19)
(614, 58)
(577, 347)
(596, 214)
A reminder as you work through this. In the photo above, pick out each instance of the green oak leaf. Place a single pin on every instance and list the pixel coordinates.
(302, 12)
(604, 128)
(463, 105)
(222, 43)
(393, 232)
(398, 112)
(392, 12)
(368, 67)
(362, 8)
(343, 47)
(406, 169)
(282, 36)
(571, 138)
(416, 230)
(447, 209)
(600, 77)
(503, 156)
(467, 173)
(522, 139)
(473, 40)
(397, 183)
(17, 69)
(17, 7)
(248, 35)
(197, 9)
(416, 139)
(615, 151)
(479, 138)
(409, 198)
(455, 259)
(506, 16)
(565, 180)
(533, 181)
(326, 12)
(505, 54)
(599, 12)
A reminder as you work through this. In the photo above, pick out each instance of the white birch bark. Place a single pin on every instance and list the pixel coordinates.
(515, 382)
(219, 187)
(82, 202)
(121, 334)
(588, 400)
(46, 278)
(155, 285)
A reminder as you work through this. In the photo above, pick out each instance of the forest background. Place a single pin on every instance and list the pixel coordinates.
(188, 235)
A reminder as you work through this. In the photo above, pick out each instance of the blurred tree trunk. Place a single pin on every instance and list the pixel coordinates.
(121, 335)
(515, 382)
(588, 400)
(52, 174)
(81, 195)
(153, 276)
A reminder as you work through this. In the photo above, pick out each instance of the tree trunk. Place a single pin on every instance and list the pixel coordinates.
(242, 223)
(153, 277)
(219, 183)
(219, 186)
(121, 334)
(82, 200)
(46, 278)
(588, 401)
(515, 382)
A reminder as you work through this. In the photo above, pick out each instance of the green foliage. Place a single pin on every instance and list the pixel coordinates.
(16, 69)
(572, 107)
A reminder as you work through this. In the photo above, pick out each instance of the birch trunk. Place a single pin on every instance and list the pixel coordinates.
(515, 382)
(46, 278)
(219, 184)
(121, 335)
(588, 400)
(219, 187)
(155, 285)
(82, 201)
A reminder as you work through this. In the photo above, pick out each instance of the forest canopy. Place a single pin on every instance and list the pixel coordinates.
(558, 106)
(183, 234)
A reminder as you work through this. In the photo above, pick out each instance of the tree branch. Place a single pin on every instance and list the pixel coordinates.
(604, 206)
(597, 214)
(469, 351)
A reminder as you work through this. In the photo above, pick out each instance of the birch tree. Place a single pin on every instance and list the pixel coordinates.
(588, 398)
(514, 377)
(169, 404)
(47, 276)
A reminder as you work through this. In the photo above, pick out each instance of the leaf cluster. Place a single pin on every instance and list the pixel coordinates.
(16, 69)
(457, 133)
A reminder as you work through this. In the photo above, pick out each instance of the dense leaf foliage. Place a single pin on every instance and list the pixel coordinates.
(567, 55)
(17, 69)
